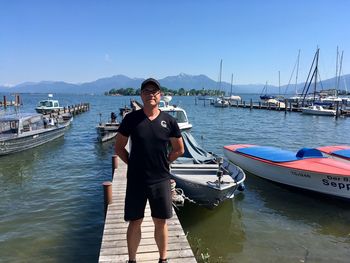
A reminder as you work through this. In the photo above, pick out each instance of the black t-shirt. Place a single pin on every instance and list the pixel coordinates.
(148, 159)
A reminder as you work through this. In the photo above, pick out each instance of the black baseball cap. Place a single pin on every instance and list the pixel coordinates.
(150, 81)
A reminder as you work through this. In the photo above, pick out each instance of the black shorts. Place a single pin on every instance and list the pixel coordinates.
(158, 195)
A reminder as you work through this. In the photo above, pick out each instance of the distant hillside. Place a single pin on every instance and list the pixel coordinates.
(172, 82)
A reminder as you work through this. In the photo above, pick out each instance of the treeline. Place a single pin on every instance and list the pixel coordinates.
(164, 90)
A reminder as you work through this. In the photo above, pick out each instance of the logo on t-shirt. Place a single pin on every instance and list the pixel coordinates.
(163, 123)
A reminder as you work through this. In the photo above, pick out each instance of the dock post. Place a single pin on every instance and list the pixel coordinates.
(251, 104)
(337, 111)
(107, 194)
(5, 103)
(243, 104)
(285, 106)
(237, 103)
(114, 164)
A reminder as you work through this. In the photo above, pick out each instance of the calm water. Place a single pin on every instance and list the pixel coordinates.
(51, 205)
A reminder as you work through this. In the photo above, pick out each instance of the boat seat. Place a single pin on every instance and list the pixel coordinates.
(278, 155)
(343, 153)
(309, 153)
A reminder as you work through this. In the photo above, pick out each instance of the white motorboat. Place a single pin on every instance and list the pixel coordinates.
(205, 179)
(307, 169)
(177, 112)
(221, 103)
(19, 132)
(48, 106)
(318, 110)
(108, 130)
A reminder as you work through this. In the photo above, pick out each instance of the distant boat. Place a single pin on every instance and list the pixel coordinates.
(108, 130)
(48, 106)
(19, 132)
(178, 113)
(318, 110)
(307, 169)
(232, 98)
(221, 103)
(264, 96)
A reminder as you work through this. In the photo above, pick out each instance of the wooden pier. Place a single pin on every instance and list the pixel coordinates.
(114, 245)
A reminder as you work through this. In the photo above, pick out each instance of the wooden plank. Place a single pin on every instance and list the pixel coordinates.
(114, 246)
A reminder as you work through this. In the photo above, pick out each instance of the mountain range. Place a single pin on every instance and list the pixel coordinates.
(171, 82)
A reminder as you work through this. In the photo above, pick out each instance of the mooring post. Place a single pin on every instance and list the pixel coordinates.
(337, 111)
(251, 104)
(5, 103)
(107, 194)
(285, 106)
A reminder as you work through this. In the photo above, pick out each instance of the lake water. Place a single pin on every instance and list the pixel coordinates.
(51, 205)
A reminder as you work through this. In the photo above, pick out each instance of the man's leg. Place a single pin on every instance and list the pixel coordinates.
(133, 237)
(161, 236)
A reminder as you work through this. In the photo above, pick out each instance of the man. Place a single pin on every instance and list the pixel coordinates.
(148, 178)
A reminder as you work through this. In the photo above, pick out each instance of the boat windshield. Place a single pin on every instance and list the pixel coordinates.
(178, 115)
(45, 103)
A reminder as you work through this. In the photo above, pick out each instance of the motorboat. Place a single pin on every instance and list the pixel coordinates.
(205, 178)
(221, 103)
(318, 110)
(339, 152)
(307, 169)
(107, 130)
(48, 106)
(19, 132)
(177, 112)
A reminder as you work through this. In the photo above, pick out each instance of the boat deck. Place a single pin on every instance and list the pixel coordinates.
(114, 246)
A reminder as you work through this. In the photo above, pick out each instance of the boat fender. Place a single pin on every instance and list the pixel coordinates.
(241, 187)
(309, 153)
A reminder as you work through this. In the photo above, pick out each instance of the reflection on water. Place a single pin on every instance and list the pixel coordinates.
(218, 232)
(327, 215)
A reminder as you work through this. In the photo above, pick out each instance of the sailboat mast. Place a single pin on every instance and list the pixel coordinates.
(231, 83)
(279, 82)
(340, 69)
(220, 76)
(336, 69)
(296, 75)
(316, 72)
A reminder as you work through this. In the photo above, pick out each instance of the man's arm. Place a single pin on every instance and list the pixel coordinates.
(178, 149)
(120, 143)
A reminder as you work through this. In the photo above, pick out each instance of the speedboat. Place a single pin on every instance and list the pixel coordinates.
(318, 110)
(205, 178)
(307, 169)
(107, 130)
(339, 152)
(48, 106)
(19, 132)
(177, 112)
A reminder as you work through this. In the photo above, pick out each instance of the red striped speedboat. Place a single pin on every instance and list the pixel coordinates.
(339, 152)
(306, 169)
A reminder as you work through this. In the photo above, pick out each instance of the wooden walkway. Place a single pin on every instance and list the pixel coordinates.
(114, 246)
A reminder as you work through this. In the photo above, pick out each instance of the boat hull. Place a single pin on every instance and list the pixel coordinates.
(200, 184)
(335, 184)
(107, 131)
(21, 143)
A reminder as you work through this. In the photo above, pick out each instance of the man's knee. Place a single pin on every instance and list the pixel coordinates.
(159, 222)
(135, 223)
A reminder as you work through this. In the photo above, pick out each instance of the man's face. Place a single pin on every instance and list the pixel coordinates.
(150, 95)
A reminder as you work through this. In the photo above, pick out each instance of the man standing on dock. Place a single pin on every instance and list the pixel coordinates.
(148, 177)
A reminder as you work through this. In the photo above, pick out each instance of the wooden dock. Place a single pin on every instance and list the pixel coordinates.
(114, 246)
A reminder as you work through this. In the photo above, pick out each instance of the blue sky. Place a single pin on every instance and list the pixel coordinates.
(80, 41)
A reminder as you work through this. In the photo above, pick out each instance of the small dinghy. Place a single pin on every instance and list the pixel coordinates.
(306, 169)
(205, 178)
